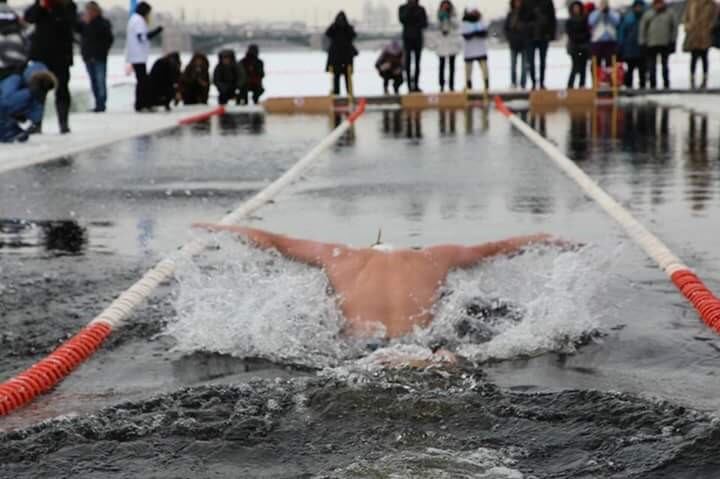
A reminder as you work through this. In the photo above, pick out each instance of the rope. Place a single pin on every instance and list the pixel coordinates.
(699, 295)
(47, 373)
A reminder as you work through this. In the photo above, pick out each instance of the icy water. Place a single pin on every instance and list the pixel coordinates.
(586, 364)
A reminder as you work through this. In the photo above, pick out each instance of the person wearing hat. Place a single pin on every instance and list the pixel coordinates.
(449, 43)
(389, 66)
(658, 34)
(631, 52)
(699, 20)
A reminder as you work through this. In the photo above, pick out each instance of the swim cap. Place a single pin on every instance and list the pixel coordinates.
(383, 247)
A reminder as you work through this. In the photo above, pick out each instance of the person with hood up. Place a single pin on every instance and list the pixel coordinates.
(390, 66)
(195, 81)
(52, 44)
(251, 71)
(96, 40)
(658, 34)
(164, 81)
(699, 19)
(578, 46)
(475, 33)
(225, 76)
(516, 32)
(604, 23)
(13, 42)
(413, 18)
(138, 52)
(631, 52)
(342, 52)
(540, 15)
(22, 102)
(449, 42)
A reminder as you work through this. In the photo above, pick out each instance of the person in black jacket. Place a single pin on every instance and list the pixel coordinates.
(342, 52)
(516, 34)
(578, 46)
(225, 76)
(251, 71)
(195, 81)
(540, 15)
(52, 44)
(413, 18)
(164, 80)
(97, 39)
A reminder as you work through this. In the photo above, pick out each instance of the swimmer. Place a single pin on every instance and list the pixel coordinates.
(396, 289)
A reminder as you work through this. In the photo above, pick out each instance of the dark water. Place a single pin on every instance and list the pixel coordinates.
(77, 232)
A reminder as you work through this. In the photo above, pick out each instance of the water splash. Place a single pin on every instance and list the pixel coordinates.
(252, 303)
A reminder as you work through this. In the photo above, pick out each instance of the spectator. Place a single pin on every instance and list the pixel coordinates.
(578, 45)
(475, 33)
(658, 34)
(604, 23)
(516, 33)
(629, 39)
(97, 39)
(22, 101)
(699, 20)
(164, 81)
(138, 52)
(52, 44)
(413, 18)
(390, 66)
(195, 81)
(342, 52)
(540, 16)
(251, 71)
(449, 43)
(225, 76)
(13, 42)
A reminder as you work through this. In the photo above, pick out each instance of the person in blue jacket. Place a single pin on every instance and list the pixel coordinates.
(631, 52)
(22, 101)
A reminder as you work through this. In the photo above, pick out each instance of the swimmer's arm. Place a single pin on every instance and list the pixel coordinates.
(455, 256)
(310, 252)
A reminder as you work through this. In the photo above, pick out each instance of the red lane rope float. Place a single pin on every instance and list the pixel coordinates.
(46, 374)
(203, 116)
(689, 284)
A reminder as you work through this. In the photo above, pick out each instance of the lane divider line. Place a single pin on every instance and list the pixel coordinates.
(54, 154)
(689, 284)
(46, 374)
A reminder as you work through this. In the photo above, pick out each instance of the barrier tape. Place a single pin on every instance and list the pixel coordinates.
(47, 373)
(689, 284)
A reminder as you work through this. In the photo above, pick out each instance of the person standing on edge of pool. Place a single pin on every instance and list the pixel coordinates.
(542, 20)
(97, 39)
(341, 52)
(413, 18)
(52, 45)
(138, 52)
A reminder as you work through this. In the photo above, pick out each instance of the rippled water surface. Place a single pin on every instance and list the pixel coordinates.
(581, 363)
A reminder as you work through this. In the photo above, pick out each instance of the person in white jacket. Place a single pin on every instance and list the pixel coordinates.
(138, 52)
(475, 33)
(448, 43)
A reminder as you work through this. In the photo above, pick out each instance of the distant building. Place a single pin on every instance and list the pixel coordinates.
(375, 17)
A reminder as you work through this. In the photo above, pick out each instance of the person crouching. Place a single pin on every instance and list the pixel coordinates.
(225, 76)
(390, 66)
(195, 81)
(22, 102)
(475, 33)
(251, 72)
(164, 80)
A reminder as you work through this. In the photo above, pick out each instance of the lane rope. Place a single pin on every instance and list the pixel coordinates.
(689, 284)
(47, 373)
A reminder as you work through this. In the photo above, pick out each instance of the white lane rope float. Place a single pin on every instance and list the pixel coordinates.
(699, 295)
(46, 374)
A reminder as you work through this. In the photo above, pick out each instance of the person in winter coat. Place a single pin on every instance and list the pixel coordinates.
(96, 40)
(22, 101)
(13, 42)
(165, 80)
(52, 44)
(251, 71)
(138, 52)
(413, 18)
(342, 52)
(541, 17)
(658, 34)
(390, 66)
(475, 33)
(631, 52)
(516, 32)
(604, 23)
(578, 45)
(195, 81)
(449, 43)
(225, 76)
(699, 19)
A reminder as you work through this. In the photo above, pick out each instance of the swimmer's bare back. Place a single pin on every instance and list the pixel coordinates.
(392, 291)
